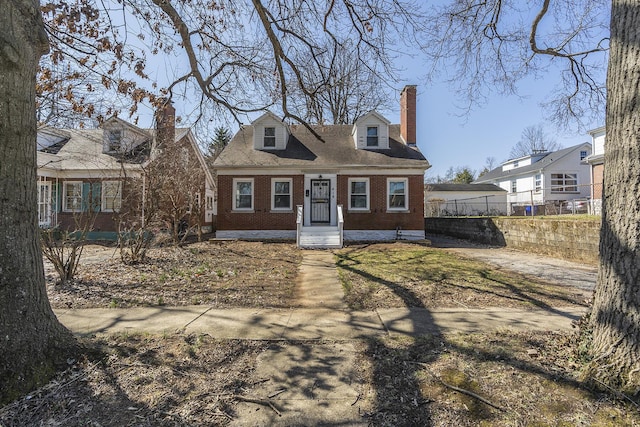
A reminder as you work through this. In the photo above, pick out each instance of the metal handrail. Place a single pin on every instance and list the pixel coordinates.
(340, 224)
(299, 221)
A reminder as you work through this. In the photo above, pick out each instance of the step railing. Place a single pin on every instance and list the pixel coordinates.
(299, 222)
(340, 224)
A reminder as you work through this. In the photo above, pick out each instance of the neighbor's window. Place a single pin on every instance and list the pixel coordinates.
(243, 191)
(358, 194)
(72, 196)
(538, 182)
(269, 137)
(514, 186)
(583, 154)
(564, 182)
(397, 196)
(209, 203)
(115, 139)
(111, 196)
(372, 136)
(281, 194)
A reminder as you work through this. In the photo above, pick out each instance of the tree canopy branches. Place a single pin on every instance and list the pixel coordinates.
(238, 56)
(495, 44)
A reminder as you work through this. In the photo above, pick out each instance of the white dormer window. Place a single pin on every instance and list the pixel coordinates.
(371, 132)
(269, 140)
(115, 139)
(372, 136)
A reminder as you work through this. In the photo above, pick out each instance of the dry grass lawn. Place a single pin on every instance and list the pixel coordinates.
(502, 378)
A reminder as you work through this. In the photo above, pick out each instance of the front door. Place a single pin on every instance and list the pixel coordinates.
(320, 201)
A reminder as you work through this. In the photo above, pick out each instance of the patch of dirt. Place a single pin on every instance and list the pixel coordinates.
(220, 274)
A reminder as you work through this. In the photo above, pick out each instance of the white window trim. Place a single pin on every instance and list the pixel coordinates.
(44, 206)
(65, 185)
(103, 196)
(406, 194)
(366, 142)
(273, 194)
(537, 182)
(367, 194)
(236, 181)
(513, 186)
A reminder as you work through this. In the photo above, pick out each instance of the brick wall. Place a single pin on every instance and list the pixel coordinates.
(378, 218)
(263, 218)
(576, 240)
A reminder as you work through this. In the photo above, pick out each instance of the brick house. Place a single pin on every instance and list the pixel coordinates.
(347, 182)
(82, 171)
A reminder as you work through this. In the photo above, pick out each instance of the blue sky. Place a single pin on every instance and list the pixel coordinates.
(490, 130)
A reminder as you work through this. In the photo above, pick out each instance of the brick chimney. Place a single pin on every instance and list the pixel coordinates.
(165, 123)
(408, 114)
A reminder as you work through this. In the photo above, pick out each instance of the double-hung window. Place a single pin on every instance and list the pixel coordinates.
(269, 140)
(358, 194)
(564, 183)
(372, 136)
(281, 194)
(538, 182)
(397, 194)
(514, 186)
(111, 196)
(72, 196)
(115, 139)
(243, 194)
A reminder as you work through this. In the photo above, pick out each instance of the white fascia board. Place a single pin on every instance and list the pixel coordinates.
(327, 170)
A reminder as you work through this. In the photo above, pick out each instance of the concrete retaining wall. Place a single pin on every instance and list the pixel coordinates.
(576, 240)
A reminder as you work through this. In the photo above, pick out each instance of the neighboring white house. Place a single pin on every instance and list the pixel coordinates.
(552, 182)
(596, 161)
(464, 200)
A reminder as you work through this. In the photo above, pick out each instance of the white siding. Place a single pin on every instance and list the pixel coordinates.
(268, 120)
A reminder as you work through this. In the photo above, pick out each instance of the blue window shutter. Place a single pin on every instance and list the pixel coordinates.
(86, 191)
(91, 197)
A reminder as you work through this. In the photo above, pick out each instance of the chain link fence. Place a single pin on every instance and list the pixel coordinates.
(568, 200)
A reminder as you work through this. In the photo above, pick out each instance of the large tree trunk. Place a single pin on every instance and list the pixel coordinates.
(616, 310)
(32, 341)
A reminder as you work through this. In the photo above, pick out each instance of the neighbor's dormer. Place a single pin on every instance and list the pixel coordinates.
(269, 132)
(119, 137)
(371, 132)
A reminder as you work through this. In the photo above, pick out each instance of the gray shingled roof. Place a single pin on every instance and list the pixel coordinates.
(497, 173)
(305, 150)
(463, 187)
(82, 150)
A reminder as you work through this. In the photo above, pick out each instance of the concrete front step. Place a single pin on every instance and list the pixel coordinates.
(320, 238)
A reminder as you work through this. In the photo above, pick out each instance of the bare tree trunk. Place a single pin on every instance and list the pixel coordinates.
(616, 310)
(32, 340)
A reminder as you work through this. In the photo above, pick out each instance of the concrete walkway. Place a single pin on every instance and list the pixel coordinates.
(311, 323)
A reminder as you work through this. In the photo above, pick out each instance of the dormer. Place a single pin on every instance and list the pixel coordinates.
(119, 137)
(371, 132)
(269, 132)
